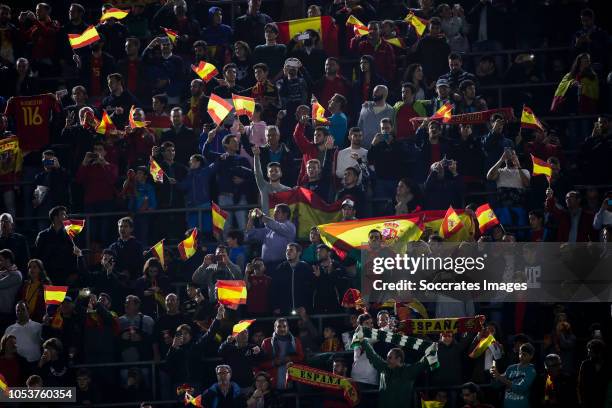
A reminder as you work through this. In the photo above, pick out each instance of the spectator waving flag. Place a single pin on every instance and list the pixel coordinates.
(241, 326)
(431, 403)
(218, 108)
(451, 224)
(87, 37)
(105, 124)
(541, 167)
(482, 346)
(529, 120)
(171, 34)
(194, 401)
(219, 216)
(205, 70)
(156, 171)
(73, 227)
(54, 295)
(396, 41)
(136, 123)
(486, 218)
(231, 293)
(318, 114)
(445, 112)
(187, 247)
(419, 24)
(358, 27)
(158, 251)
(115, 13)
(244, 105)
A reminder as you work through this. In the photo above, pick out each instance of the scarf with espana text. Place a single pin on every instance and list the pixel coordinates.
(324, 379)
(473, 118)
(448, 325)
(429, 348)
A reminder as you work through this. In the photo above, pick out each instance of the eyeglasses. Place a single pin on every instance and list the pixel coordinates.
(222, 372)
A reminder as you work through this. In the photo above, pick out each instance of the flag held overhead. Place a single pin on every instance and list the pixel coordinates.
(318, 114)
(419, 24)
(87, 37)
(156, 171)
(219, 216)
(187, 248)
(241, 326)
(358, 27)
(218, 108)
(114, 13)
(540, 167)
(231, 293)
(205, 70)
(54, 295)
(244, 105)
(529, 120)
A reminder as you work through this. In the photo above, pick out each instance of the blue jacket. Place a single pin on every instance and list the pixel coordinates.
(143, 190)
(210, 398)
(196, 186)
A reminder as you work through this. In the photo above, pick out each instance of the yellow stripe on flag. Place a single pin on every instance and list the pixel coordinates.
(3, 384)
(529, 120)
(241, 326)
(244, 105)
(419, 24)
(87, 37)
(296, 27)
(219, 216)
(451, 224)
(486, 217)
(541, 167)
(231, 293)
(114, 13)
(358, 27)
(432, 404)
(156, 171)
(445, 112)
(54, 295)
(135, 123)
(105, 124)
(205, 70)
(318, 114)
(171, 34)
(218, 108)
(158, 251)
(73, 227)
(482, 346)
(396, 42)
(187, 248)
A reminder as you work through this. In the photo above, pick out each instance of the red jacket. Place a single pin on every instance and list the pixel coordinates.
(42, 34)
(384, 55)
(309, 150)
(98, 182)
(268, 364)
(586, 232)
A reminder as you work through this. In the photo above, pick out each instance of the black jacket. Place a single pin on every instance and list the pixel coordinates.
(18, 244)
(55, 249)
(128, 256)
(242, 360)
(291, 287)
(185, 142)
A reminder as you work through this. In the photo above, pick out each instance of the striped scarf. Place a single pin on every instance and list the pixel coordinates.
(429, 348)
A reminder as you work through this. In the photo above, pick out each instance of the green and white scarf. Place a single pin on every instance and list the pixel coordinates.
(429, 348)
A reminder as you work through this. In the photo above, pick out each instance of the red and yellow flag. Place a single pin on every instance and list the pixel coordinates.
(73, 227)
(445, 112)
(419, 24)
(244, 105)
(136, 123)
(541, 167)
(219, 216)
(114, 13)
(205, 70)
(231, 293)
(451, 224)
(318, 114)
(195, 401)
(358, 27)
(156, 171)
(529, 120)
(54, 295)
(171, 34)
(87, 37)
(187, 247)
(396, 41)
(431, 403)
(158, 251)
(105, 124)
(323, 25)
(241, 326)
(218, 108)
(482, 346)
(486, 217)
(3, 384)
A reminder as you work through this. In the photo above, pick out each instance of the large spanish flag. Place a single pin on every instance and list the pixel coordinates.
(318, 114)
(451, 224)
(482, 346)
(73, 227)
(54, 295)
(114, 13)
(205, 70)
(88, 37)
(187, 247)
(231, 293)
(218, 108)
(541, 167)
(445, 112)
(419, 24)
(589, 92)
(359, 28)
(486, 217)
(158, 251)
(219, 216)
(307, 209)
(244, 105)
(529, 120)
(324, 25)
(105, 124)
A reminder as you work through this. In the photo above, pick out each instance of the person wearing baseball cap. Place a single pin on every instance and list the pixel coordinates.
(348, 210)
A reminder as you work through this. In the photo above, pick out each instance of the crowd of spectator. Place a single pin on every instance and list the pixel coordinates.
(380, 154)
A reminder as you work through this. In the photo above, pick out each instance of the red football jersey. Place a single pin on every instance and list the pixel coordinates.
(32, 115)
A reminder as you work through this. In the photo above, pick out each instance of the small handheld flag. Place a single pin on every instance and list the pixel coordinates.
(114, 13)
(87, 37)
(195, 401)
(172, 35)
(105, 124)
(156, 171)
(419, 24)
(486, 218)
(244, 105)
(218, 108)
(358, 27)
(136, 123)
(529, 120)
(3, 385)
(241, 326)
(231, 293)
(205, 70)
(219, 216)
(73, 227)
(318, 113)
(450, 224)
(396, 41)
(158, 251)
(541, 167)
(187, 247)
(54, 295)
(482, 346)
(445, 113)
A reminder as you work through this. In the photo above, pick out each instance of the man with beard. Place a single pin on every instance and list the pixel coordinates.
(274, 173)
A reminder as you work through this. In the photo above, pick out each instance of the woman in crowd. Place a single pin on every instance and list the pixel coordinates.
(33, 290)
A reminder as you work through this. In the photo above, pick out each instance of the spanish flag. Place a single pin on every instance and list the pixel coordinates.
(231, 293)
(74, 227)
(529, 120)
(445, 113)
(158, 251)
(486, 217)
(3, 384)
(431, 404)
(187, 247)
(419, 24)
(589, 92)
(218, 108)
(205, 70)
(195, 401)
(156, 171)
(88, 37)
(136, 123)
(318, 114)
(114, 13)
(541, 167)
(219, 216)
(171, 34)
(307, 209)
(345, 236)
(358, 27)
(244, 105)
(324, 25)
(396, 41)
(451, 223)
(482, 346)
(241, 326)
(105, 124)
(54, 295)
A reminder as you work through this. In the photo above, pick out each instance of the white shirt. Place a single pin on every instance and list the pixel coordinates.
(344, 160)
(510, 178)
(363, 371)
(29, 339)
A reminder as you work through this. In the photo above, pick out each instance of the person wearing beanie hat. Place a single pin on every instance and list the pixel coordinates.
(217, 35)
